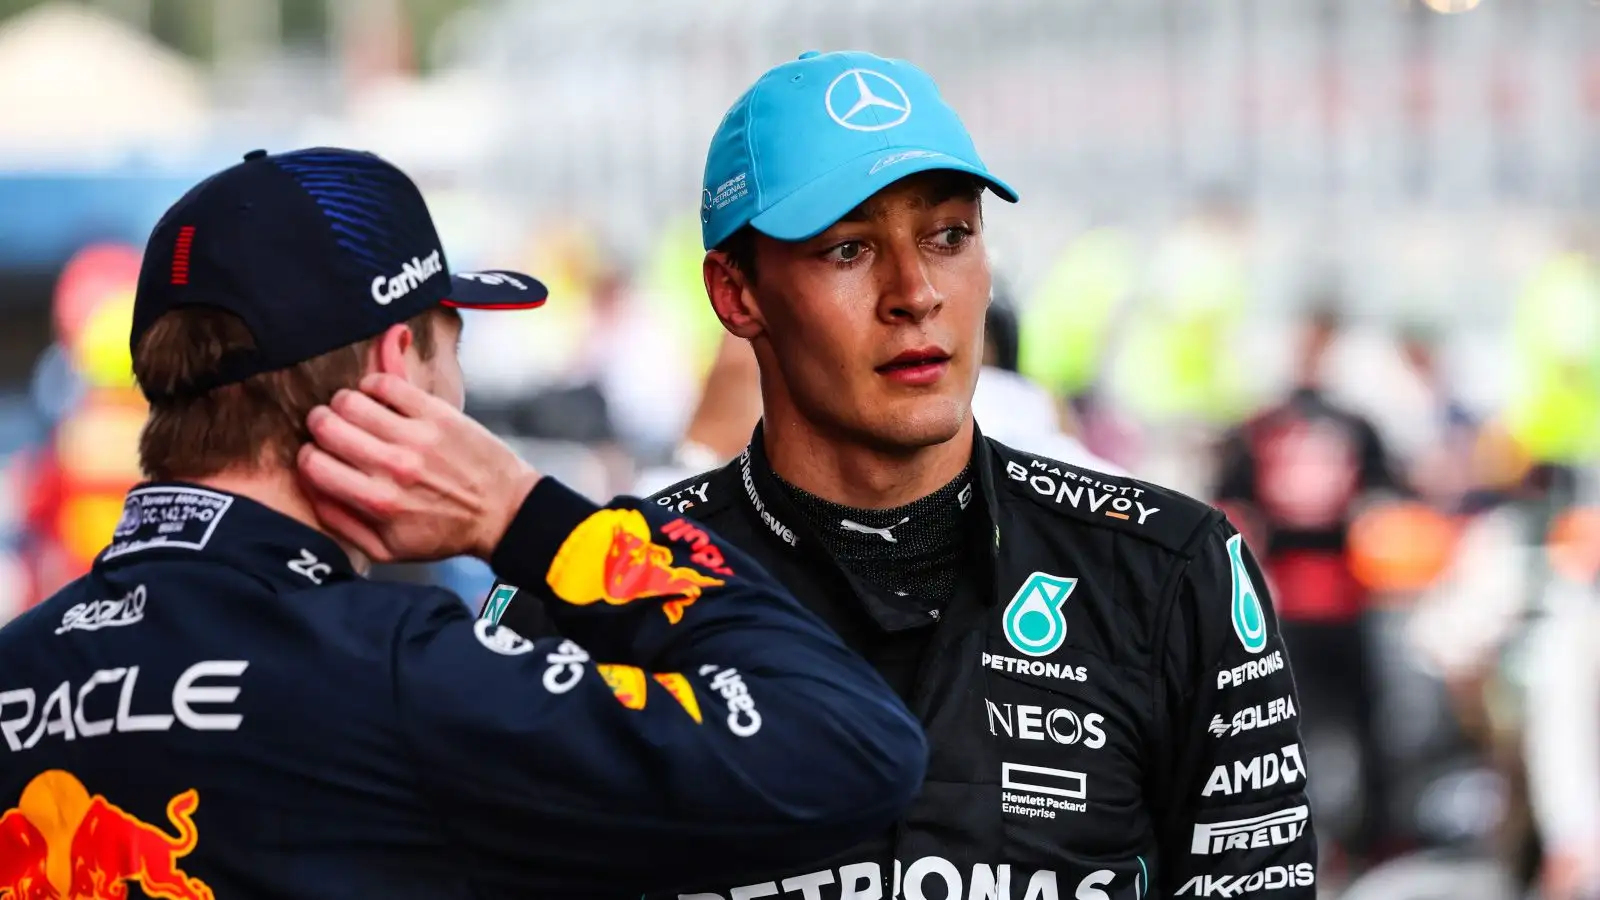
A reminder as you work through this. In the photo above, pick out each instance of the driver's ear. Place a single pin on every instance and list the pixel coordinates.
(390, 351)
(728, 289)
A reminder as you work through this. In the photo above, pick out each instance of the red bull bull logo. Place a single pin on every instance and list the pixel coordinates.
(611, 557)
(60, 843)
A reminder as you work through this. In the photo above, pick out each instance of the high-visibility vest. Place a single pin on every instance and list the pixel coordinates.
(1554, 408)
(1068, 320)
(672, 278)
(1176, 357)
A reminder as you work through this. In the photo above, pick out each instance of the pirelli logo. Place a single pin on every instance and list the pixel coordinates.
(1273, 829)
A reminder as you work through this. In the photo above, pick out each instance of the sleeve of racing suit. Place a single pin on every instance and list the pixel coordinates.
(1236, 820)
(698, 723)
(508, 605)
(1562, 741)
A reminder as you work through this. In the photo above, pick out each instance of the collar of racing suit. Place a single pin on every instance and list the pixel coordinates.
(913, 550)
(766, 499)
(177, 520)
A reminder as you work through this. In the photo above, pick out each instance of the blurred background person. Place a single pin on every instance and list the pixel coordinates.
(1014, 409)
(1294, 477)
(722, 421)
(648, 402)
(1563, 711)
(1440, 467)
(1563, 730)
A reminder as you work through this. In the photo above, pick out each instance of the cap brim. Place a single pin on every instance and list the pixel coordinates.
(813, 208)
(495, 289)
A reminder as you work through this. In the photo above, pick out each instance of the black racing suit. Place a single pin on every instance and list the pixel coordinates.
(224, 708)
(1110, 711)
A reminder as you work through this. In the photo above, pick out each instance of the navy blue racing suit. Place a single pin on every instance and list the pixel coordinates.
(225, 708)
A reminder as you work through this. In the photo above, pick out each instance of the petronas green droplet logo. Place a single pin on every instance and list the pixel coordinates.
(1249, 620)
(1034, 624)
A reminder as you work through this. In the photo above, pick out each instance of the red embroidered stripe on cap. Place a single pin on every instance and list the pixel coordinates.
(180, 255)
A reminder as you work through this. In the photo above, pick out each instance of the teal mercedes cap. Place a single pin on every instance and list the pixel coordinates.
(815, 137)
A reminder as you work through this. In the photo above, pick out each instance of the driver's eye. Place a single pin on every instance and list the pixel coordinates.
(849, 251)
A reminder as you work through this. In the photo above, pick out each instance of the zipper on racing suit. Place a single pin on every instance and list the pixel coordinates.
(962, 612)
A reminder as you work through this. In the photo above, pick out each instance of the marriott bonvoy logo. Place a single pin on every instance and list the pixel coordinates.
(413, 273)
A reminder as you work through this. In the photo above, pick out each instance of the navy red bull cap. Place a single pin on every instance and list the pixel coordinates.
(314, 250)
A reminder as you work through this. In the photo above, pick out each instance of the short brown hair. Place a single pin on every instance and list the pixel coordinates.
(740, 248)
(256, 423)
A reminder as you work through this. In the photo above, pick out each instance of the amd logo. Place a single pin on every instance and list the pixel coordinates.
(1283, 767)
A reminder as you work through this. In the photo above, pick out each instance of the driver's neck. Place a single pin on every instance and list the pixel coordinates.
(279, 490)
(855, 474)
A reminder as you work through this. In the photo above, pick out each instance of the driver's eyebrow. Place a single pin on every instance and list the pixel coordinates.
(932, 194)
(869, 210)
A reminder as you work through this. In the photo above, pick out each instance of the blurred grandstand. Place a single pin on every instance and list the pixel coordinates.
(1198, 178)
